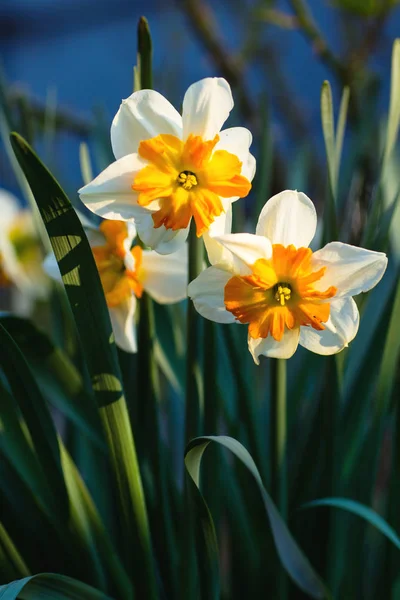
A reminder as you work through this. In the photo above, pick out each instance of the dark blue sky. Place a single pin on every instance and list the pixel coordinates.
(85, 50)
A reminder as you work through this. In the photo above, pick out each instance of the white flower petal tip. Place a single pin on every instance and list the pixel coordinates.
(350, 269)
(237, 140)
(123, 324)
(145, 114)
(272, 349)
(110, 194)
(206, 107)
(339, 331)
(207, 294)
(288, 218)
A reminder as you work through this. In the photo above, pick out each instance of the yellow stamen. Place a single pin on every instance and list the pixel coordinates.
(283, 293)
(279, 294)
(187, 180)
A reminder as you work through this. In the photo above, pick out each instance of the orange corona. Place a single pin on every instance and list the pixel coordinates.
(188, 180)
(119, 277)
(279, 294)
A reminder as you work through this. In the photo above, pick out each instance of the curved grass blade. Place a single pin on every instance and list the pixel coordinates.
(15, 445)
(49, 363)
(362, 511)
(388, 371)
(394, 106)
(81, 531)
(10, 559)
(292, 558)
(37, 418)
(49, 586)
(85, 294)
(341, 127)
(90, 528)
(328, 128)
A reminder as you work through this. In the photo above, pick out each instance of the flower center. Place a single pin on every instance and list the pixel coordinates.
(279, 294)
(187, 180)
(119, 268)
(282, 293)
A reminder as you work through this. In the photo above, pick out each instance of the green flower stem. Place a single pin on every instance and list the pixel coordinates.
(246, 399)
(212, 406)
(278, 435)
(194, 383)
(194, 403)
(148, 382)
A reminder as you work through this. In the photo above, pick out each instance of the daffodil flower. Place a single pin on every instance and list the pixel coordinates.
(21, 256)
(126, 272)
(171, 168)
(286, 293)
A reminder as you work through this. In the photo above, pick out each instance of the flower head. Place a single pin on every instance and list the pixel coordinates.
(21, 255)
(287, 294)
(171, 168)
(126, 272)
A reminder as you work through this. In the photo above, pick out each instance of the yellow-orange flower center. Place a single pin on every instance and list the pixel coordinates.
(280, 293)
(188, 179)
(119, 273)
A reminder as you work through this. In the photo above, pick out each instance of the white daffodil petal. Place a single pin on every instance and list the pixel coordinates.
(110, 194)
(145, 114)
(207, 293)
(270, 347)
(288, 218)
(237, 141)
(350, 269)
(246, 247)
(123, 324)
(206, 106)
(50, 266)
(132, 233)
(217, 253)
(249, 167)
(164, 241)
(340, 330)
(165, 278)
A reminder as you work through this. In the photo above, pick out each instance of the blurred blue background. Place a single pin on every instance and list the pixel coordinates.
(80, 53)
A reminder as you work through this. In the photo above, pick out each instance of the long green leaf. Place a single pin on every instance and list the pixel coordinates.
(328, 128)
(15, 445)
(49, 586)
(394, 105)
(37, 417)
(389, 366)
(292, 558)
(341, 127)
(59, 379)
(85, 294)
(91, 529)
(362, 511)
(10, 558)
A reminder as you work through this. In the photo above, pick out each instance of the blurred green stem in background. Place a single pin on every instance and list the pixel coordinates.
(194, 381)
